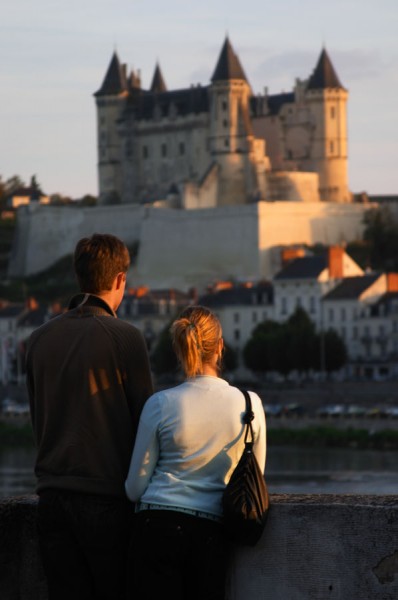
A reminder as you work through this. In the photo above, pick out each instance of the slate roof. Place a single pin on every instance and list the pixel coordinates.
(276, 101)
(158, 85)
(352, 288)
(193, 100)
(239, 295)
(305, 267)
(115, 79)
(228, 65)
(324, 75)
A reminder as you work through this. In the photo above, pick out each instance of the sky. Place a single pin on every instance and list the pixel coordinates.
(54, 56)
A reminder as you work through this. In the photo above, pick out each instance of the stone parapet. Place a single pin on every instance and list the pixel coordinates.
(315, 547)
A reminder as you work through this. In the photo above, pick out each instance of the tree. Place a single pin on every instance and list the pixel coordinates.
(263, 350)
(381, 232)
(334, 351)
(229, 359)
(300, 341)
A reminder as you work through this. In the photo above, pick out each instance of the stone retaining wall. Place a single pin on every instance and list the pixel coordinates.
(316, 547)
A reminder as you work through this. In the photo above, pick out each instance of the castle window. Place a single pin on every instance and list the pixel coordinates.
(164, 150)
(331, 146)
(145, 152)
(332, 112)
(181, 148)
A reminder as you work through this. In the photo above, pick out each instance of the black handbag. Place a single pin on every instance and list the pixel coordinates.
(245, 499)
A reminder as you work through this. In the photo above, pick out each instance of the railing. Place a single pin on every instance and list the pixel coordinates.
(315, 547)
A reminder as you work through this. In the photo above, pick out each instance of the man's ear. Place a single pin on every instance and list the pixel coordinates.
(120, 279)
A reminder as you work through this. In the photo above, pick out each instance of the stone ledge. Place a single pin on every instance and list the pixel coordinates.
(315, 547)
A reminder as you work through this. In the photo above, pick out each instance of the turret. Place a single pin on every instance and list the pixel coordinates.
(110, 100)
(231, 136)
(327, 100)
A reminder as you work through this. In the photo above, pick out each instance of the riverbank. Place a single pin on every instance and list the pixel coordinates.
(19, 433)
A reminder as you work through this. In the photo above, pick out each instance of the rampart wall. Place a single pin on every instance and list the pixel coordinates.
(315, 547)
(182, 248)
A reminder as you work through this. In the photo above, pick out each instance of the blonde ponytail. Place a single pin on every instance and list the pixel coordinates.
(196, 335)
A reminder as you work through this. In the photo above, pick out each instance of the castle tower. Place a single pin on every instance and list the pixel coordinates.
(158, 85)
(110, 100)
(231, 137)
(327, 101)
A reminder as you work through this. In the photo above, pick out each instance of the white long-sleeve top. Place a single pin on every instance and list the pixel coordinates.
(189, 440)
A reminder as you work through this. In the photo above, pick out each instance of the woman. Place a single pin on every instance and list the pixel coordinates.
(189, 440)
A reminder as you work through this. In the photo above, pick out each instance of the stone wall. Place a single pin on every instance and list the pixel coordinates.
(185, 248)
(320, 547)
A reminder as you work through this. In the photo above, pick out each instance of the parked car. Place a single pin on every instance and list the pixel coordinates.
(11, 408)
(331, 410)
(273, 410)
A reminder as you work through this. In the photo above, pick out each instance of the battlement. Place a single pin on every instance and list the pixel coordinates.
(315, 547)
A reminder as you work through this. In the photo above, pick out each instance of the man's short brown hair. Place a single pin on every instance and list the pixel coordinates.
(98, 260)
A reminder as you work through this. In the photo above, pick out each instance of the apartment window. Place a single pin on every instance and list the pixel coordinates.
(331, 315)
(164, 150)
(343, 314)
(226, 143)
(224, 105)
(181, 148)
(298, 302)
(145, 152)
(236, 335)
(236, 317)
(225, 123)
(254, 317)
(355, 333)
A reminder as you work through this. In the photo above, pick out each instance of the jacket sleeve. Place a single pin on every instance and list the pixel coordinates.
(138, 378)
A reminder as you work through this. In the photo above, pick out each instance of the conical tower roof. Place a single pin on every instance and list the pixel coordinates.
(228, 65)
(324, 75)
(115, 79)
(158, 85)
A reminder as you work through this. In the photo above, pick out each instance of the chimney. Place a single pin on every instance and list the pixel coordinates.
(392, 282)
(335, 262)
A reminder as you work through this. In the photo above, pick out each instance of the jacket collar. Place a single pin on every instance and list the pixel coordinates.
(89, 303)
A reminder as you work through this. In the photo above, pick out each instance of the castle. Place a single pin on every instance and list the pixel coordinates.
(221, 144)
(208, 182)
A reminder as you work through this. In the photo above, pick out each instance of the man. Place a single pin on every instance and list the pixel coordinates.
(88, 377)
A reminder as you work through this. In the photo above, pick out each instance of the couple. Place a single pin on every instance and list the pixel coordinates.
(116, 524)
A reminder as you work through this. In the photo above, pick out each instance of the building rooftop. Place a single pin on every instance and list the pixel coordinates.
(352, 288)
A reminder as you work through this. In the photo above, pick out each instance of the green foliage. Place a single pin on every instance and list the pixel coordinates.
(55, 284)
(16, 435)
(333, 437)
(284, 347)
(334, 351)
(381, 232)
(229, 359)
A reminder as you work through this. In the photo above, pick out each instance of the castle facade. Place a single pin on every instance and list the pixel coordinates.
(221, 144)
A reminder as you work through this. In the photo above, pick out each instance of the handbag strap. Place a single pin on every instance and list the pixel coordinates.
(248, 418)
